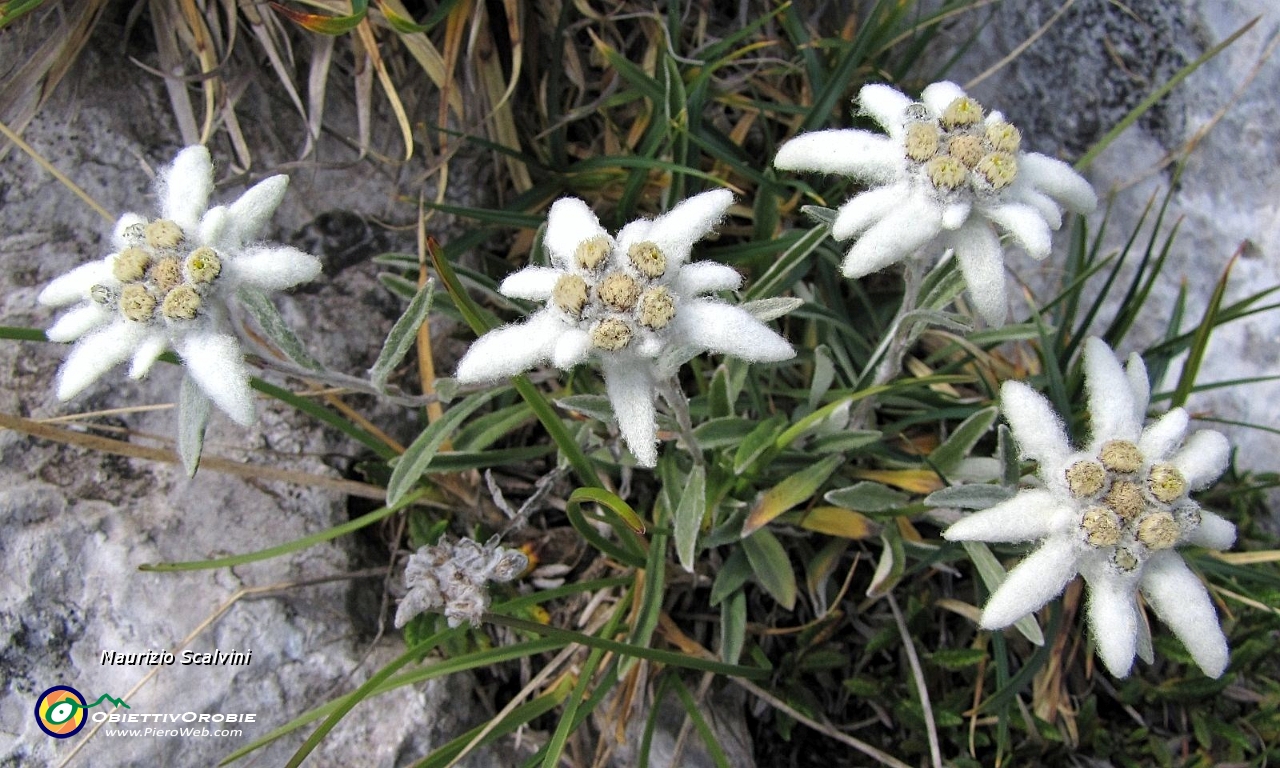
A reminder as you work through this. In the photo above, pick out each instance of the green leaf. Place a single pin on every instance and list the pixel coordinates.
(22, 333)
(824, 373)
(892, 563)
(772, 567)
(722, 432)
(326, 25)
(12, 10)
(788, 267)
(595, 406)
(410, 466)
(794, 490)
(820, 214)
(688, 516)
(406, 26)
(947, 457)
(970, 496)
(718, 395)
(275, 328)
(867, 497)
(1007, 452)
(193, 420)
(731, 576)
(760, 440)
(958, 658)
(483, 431)
(765, 310)
(733, 627)
(402, 336)
(845, 440)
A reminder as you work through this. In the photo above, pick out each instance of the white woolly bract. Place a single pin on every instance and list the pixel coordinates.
(1034, 582)
(532, 283)
(1113, 622)
(272, 268)
(859, 154)
(982, 263)
(96, 354)
(1214, 532)
(1163, 436)
(511, 349)
(216, 364)
(1111, 399)
(184, 187)
(1182, 602)
(1203, 459)
(1031, 515)
(1036, 427)
(898, 235)
(632, 390)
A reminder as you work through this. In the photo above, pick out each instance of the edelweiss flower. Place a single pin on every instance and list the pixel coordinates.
(632, 305)
(943, 176)
(1114, 513)
(168, 283)
(452, 577)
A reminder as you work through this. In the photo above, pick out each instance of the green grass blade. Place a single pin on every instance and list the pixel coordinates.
(409, 468)
(319, 412)
(1158, 94)
(477, 660)
(292, 546)
(618, 511)
(1191, 368)
(669, 658)
(20, 333)
(517, 718)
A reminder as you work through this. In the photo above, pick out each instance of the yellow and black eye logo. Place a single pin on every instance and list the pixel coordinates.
(60, 711)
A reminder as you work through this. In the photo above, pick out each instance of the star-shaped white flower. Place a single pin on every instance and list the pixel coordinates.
(1113, 512)
(946, 177)
(167, 284)
(631, 304)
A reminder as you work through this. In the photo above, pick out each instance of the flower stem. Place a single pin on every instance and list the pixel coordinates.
(902, 334)
(679, 404)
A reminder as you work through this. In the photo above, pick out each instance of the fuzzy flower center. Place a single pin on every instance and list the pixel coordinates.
(160, 274)
(962, 148)
(1131, 507)
(614, 300)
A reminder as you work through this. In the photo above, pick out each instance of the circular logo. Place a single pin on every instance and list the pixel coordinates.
(60, 711)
